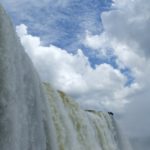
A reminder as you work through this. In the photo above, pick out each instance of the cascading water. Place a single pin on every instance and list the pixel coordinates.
(25, 122)
(34, 119)
(77, 129)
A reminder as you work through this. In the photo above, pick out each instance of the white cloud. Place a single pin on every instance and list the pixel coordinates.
(102, 86)
(21, 30)
(95, 41)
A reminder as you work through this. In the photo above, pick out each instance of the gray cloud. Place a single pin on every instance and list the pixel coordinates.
(136, 120)
(130, 24)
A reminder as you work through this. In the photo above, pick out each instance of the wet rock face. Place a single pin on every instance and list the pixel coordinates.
(94, 111)
(110, 113)
(88, 110)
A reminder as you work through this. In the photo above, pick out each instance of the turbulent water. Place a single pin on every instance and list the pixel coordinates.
(77, 129)
(25, 122)
(37, 117)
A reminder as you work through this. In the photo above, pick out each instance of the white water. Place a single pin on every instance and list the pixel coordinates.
(25, 122)
(77, 129)
(33, 120)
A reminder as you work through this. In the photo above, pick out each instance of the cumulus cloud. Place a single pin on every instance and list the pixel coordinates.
(102, 87)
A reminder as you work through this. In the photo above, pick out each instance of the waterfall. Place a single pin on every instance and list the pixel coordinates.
(25, 122)
(34, 116)
(77, 129)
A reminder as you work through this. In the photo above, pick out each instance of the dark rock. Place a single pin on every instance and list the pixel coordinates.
(111, 113)
(90, 110)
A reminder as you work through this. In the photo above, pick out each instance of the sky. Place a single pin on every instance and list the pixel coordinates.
(97, 51)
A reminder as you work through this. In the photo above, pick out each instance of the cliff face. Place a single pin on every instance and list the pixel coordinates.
(37, 118)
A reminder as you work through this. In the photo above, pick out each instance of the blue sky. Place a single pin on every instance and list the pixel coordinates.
(61, 25)
(65, 25)
(94, 50)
